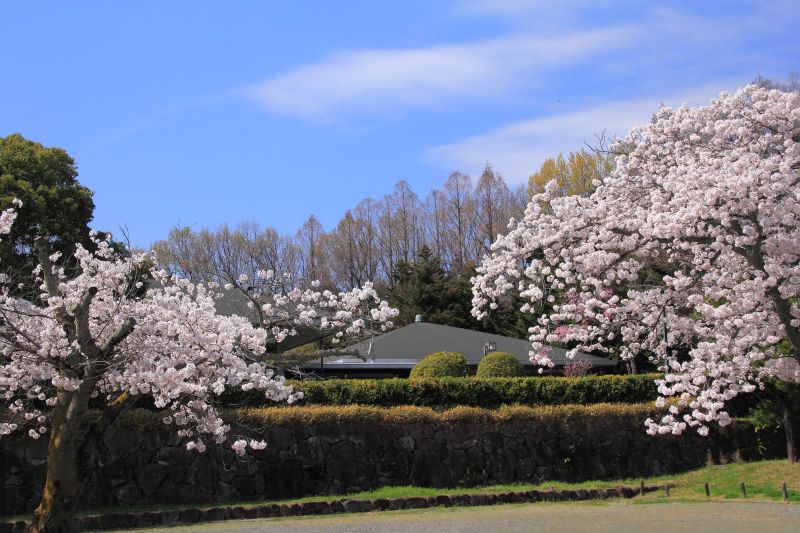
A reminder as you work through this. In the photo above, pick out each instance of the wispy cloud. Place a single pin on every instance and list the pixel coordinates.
(542, 8)
(543, 40)
(380, 80)
(517, 149)
(149, 121)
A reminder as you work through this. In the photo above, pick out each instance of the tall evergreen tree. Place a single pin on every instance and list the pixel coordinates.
(423, 288)
(53, 204)
(418, 287)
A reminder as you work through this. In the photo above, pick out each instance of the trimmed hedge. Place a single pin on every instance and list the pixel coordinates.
(267, 417)
(441, 365)
(475, 392)
(500, 365)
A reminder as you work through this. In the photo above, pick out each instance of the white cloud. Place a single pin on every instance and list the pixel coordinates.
(516, 150)
(381, 80)
(541, 8)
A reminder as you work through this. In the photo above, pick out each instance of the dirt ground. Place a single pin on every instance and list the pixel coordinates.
(727, 517)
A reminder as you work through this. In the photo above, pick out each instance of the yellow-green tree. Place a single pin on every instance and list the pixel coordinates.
(574, 174)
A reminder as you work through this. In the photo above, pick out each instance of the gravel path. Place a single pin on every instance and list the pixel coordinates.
(726, 517)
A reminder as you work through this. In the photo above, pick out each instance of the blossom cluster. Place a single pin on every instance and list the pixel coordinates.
(689, 252)
(95, 334)
(8, 217)
(336, 315)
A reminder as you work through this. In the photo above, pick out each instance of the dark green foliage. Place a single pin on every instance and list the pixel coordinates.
(779, 407)
(441, 365)
(423, 288)
(54, 203)
(500, 365)
(470, 391)
(771, 401)
(418, 288)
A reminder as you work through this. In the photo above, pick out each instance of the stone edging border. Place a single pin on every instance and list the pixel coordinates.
(273, 510)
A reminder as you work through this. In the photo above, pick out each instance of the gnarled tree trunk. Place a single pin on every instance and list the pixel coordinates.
(72, 452)
(65, 453)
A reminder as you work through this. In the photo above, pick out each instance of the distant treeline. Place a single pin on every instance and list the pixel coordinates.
(457, 223)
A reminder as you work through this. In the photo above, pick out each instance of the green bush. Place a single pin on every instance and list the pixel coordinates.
(500, 365)
(469, 391)
(441, 365)
(605, 415)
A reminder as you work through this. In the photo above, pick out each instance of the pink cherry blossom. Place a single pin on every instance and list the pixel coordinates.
(93, 335)
(710, 195)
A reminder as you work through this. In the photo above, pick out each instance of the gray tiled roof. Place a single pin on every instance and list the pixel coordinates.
(415, 341)
(234, 302)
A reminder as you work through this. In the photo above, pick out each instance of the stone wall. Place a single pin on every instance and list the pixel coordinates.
(153, 467)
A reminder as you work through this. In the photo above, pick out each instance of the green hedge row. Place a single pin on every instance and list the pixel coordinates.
(470, 391)
(610, 415)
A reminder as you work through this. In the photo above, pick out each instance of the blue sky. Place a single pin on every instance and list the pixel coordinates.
(201, 113)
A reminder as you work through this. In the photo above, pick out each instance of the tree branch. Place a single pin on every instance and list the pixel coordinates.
(120, 335)
(51, 282)
(82, 331)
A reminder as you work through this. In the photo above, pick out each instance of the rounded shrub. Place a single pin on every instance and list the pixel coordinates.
(441, 365)
(500, 365)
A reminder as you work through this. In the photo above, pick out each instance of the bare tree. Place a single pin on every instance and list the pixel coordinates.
(366, 215)
(312, 261)
(493, 209)
(458, 207)
(792, 83)
(341, 244)
(223, 255)
(456, 222)
(387, 238)
(435, 222)
(406, 220)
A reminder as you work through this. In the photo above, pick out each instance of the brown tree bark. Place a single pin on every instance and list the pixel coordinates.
(64, 483)
(72, 452)
(788, 429)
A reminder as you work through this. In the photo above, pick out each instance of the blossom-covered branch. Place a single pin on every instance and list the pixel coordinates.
(711, 196)
(340, 315)
(95, 333)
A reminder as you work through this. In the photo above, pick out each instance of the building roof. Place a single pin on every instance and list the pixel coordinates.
(235, 302)
(404, 347)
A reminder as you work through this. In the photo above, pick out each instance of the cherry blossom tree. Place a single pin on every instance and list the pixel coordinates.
(711, 195)
(97, 337)
(315, 314)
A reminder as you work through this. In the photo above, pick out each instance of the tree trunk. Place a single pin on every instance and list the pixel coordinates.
(66, 454)
(788, 429)
(62, 488)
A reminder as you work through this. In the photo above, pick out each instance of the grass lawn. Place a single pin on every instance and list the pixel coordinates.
(763, 481)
